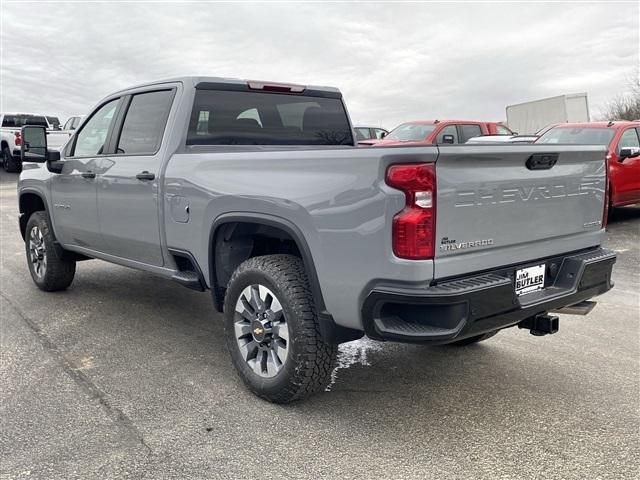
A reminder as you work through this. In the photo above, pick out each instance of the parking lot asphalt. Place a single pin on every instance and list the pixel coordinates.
(126, 375)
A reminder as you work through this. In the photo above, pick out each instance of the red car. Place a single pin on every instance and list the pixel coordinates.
(623, 155)
(429, 132)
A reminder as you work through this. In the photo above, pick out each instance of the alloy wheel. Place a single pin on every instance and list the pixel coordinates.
(38, 252)
(261, 330)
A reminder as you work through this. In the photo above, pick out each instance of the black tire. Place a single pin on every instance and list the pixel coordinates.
(309, 361)
(57, 273)
(472, 340)
(10, 164)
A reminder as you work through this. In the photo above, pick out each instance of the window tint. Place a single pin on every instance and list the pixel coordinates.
(629, 139)
(469, 131)
(144, 123)
(21, 120)
(448, 130)
(90, 140)
(260, 118)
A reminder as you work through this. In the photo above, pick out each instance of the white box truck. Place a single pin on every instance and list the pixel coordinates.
(529, 117)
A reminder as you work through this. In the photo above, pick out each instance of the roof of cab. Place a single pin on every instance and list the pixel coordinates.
(614, 124)
(193, 81)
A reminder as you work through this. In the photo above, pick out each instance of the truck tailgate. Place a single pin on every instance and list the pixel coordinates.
(497, 208)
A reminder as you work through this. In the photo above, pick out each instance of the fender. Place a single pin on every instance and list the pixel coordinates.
(23, 219)
(330, 331)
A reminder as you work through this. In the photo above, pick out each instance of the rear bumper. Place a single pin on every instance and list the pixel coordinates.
(464, 307)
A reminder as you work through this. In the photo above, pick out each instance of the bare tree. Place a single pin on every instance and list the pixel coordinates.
(624, 106)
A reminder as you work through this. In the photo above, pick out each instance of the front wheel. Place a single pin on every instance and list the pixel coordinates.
(272, 330)
(48, 271)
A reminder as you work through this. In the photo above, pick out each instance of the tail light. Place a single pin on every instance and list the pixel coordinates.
(18, 139)
(414, 227)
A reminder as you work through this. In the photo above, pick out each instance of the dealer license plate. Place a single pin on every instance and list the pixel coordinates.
(530, 279)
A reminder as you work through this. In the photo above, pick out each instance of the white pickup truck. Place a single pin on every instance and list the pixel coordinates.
(10, 137)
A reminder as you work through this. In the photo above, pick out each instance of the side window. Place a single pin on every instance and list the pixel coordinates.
(250, 118)
(469, 131)
(292, 114)
(448, 130)
(90, 140)
(362, 134)
(502, 130)
(144, 123)
(629, 139)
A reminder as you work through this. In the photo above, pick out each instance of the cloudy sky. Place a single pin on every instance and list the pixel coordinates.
(392, 61)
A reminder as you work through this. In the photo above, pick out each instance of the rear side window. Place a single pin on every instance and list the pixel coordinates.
(469, 131)
(18, 121)
(144, 123)
(251, 118)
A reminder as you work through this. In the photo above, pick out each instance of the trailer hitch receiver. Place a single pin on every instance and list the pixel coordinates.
(540, 325)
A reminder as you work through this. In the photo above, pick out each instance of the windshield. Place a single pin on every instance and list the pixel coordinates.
(410, 132)
(578, 136)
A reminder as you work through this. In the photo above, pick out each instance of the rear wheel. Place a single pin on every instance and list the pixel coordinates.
(48, 271)
(472, 340)
(272, 330)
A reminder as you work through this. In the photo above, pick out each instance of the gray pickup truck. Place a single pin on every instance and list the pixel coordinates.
(257, 193)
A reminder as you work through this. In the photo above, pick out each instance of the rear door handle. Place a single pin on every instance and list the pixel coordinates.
(145, 176)
(88, 174)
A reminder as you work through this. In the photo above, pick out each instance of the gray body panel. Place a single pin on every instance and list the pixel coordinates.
(335, 197)
(487, 194)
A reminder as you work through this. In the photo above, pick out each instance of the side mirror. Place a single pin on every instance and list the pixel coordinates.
(447, 139)
(383, 134)
(629, 152)
(34, 145)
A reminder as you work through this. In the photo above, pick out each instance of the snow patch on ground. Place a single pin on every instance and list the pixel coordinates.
(353, 353)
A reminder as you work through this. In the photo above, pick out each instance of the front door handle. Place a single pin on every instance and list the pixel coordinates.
(88, 174)
(145, 176)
